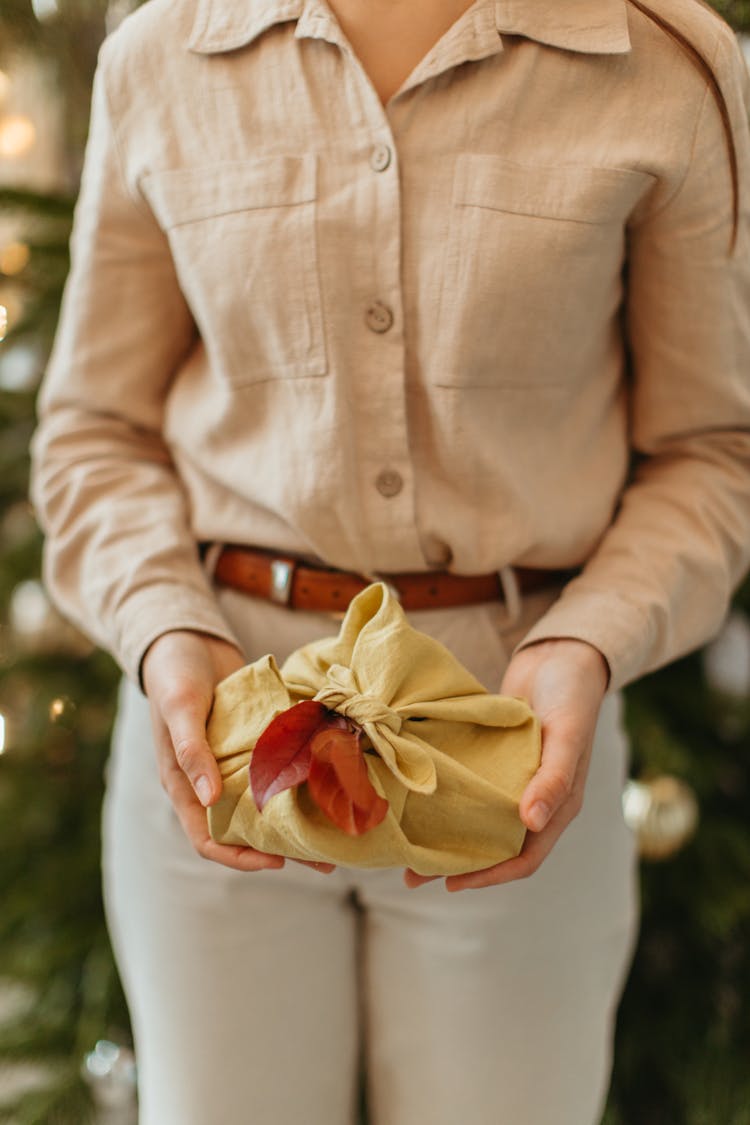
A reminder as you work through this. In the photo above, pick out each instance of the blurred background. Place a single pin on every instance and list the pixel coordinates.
(683, 1041)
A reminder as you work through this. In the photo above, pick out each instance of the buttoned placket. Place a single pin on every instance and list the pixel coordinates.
(385, 483)
(386, 479)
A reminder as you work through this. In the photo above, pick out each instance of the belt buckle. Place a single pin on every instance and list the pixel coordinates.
(282, 573)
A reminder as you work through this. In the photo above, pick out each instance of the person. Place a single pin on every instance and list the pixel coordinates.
(436, 291)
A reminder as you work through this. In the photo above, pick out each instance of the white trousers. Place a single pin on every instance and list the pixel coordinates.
(255, 998)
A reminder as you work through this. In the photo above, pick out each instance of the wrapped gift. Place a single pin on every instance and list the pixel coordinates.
(374, 748)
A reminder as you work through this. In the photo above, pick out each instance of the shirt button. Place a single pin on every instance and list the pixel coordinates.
(378, 317)
(389, 482)
(380, 158)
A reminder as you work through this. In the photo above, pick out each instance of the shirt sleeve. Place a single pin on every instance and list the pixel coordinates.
(120, 559)
(660, 581)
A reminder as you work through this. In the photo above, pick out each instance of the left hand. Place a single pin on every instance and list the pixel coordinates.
(564, 681)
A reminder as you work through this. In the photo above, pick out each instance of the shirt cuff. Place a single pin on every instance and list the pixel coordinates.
(620, 630)
(164, 608)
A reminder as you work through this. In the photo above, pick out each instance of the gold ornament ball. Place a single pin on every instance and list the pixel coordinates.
(663, 814)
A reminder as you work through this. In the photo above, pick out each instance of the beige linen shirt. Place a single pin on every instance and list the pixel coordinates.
(493, 322)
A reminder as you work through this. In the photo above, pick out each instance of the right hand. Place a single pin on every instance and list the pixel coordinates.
(180, 672)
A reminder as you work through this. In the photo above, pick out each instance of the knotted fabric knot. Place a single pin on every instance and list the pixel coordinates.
(341, 693)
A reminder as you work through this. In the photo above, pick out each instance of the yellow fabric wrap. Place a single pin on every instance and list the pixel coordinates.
(452, 759)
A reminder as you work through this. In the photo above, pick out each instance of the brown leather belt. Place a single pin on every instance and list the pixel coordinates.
(302, 585)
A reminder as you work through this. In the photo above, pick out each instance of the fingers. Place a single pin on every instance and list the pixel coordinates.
(317, 865)
(553, 797)
(192, 817)
(180, 673)
(184, 713)
(564, 681)
(566, 747)
(536, 848)
(412, 879)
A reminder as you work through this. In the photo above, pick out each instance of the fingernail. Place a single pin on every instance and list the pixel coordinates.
(538, 816)
(203, 789)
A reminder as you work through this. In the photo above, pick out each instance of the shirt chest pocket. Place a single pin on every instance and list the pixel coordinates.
(532, 272)
(243, 240)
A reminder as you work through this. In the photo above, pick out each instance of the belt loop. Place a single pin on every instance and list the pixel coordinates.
(511, 597)
(210, 557)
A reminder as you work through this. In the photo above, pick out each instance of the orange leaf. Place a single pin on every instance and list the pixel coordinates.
(340, 784)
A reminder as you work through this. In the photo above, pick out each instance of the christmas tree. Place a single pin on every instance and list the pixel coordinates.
(59, 990)
(683, 1043)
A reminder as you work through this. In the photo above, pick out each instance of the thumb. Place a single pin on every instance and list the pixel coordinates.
(565, 744)
(185, 718)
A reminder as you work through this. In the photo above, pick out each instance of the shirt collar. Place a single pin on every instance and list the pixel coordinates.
(225, 25)
(588, 26)
(598, 27)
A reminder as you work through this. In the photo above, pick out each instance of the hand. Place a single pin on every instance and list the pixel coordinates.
(564, 681)
(180, 672)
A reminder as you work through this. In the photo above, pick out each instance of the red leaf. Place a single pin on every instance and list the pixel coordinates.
(282, 754)
(340, 784)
